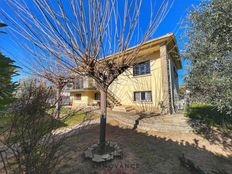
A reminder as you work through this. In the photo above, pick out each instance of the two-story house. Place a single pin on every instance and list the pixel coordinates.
(151, 84)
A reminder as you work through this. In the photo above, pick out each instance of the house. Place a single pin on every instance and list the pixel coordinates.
(150, 85)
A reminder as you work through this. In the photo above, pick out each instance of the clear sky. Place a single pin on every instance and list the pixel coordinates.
(172, 23)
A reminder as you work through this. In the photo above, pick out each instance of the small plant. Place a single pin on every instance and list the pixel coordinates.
(162, 106)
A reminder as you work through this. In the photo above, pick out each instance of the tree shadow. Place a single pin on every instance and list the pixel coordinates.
(209, 123)
(142, 153)
(142, 116)
(212, 134)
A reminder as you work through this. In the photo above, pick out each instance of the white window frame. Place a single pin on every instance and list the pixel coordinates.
(138, 95)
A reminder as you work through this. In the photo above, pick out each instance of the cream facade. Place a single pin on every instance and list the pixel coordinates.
(151, 84)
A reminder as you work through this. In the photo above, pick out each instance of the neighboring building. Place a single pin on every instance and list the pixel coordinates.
(65, 97)
(150, 85)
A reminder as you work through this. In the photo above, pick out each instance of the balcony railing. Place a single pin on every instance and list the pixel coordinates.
(81, 84)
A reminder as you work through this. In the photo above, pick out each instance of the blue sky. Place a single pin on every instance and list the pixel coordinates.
(172, 23)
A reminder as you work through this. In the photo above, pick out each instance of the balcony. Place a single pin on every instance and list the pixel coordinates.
(81, 84)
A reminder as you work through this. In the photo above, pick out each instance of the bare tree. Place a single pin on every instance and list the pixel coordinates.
(57, 76)
(51, 71)
(90, 38)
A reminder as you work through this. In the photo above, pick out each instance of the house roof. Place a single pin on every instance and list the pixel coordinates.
(154, 45)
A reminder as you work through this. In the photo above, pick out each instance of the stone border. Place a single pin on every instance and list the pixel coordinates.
(117, 152)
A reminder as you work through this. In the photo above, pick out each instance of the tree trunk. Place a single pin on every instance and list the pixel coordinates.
(103, 102)
(58, 103)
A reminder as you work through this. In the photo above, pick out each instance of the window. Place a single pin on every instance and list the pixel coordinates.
(78, 83)
(142, 96)
(141, 68)
(78, 96)
(97, 96)
(69, 86)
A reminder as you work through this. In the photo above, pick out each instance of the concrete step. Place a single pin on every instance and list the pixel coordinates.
(119, 109)
(130, 109)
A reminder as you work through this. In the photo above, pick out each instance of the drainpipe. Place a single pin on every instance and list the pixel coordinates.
(170, 85)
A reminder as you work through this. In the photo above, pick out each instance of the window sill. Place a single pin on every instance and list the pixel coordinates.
(141, 102)
(144, 75)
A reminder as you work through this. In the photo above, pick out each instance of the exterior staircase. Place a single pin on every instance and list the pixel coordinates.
(116, 105)
(112, 100)
(129, 109)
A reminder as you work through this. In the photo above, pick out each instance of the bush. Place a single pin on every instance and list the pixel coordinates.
(29, 136)
(209, 115)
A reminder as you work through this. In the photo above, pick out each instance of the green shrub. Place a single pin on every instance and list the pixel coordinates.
(209, 115)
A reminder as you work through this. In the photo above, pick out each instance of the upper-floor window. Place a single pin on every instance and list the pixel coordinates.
(78, 83)
(141, 68)
(68, 86)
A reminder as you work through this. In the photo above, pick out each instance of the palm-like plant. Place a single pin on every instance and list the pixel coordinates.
(2, 25)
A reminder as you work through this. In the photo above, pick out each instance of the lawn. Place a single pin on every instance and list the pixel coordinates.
(72, 117)
(69, 117)
(210, 116)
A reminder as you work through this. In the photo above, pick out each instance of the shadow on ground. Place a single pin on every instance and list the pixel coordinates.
(142, 154)
(211, 124)
(213, 135)
(143, 116)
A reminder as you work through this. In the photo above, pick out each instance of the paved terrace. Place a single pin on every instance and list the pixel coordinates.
(153, 122)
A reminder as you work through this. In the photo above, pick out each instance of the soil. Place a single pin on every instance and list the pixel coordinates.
(148, 153)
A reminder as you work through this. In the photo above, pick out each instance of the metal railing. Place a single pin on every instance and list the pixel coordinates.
(82, 83)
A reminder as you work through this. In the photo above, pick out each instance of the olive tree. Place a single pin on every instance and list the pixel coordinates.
(208, 47)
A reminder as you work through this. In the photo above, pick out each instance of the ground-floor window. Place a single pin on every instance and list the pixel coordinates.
(97, 96)
(78, 97)
(142, 96)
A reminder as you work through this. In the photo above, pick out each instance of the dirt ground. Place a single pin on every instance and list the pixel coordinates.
(153, 153)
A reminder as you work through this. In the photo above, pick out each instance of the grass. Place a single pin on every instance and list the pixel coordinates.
(72, 117)
(69, 117)
(209, 115)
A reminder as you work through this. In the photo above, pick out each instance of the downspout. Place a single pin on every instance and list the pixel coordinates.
(170, 84)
